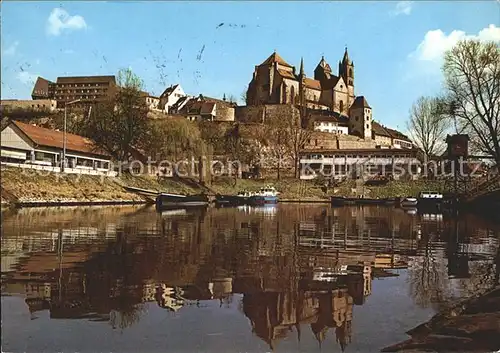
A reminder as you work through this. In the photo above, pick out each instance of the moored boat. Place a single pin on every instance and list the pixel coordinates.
(408, 202)
(165, 200)
(265, 195)
(242, 198)
(430, 200)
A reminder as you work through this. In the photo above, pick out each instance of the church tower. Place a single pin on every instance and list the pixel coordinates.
(323, 71)
(346, 71)
(302, 87)
(360, 118)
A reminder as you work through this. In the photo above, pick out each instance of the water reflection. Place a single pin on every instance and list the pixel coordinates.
(294, 267)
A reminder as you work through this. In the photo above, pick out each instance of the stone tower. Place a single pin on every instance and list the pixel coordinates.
(323, 71)
(360, 118)
(346, 71)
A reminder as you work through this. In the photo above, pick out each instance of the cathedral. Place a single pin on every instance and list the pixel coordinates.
(277, 82)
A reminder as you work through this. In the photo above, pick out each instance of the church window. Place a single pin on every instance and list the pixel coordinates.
(341, 106)
(292, 94)
(350, 72)
(367, 126)
(357, 118)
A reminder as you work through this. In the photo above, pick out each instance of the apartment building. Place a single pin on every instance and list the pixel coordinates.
(88, 89)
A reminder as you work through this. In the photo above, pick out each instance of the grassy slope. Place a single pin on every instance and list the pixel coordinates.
(28, 185)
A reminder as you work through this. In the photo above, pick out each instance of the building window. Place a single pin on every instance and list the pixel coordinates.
(357, 118)
(367, 126)
(341, 106)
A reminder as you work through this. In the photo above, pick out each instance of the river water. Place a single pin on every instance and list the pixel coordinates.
(289, 278)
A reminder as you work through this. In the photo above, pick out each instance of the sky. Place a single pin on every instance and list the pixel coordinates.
(211, 48)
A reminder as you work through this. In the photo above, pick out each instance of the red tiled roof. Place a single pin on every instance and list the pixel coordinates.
(397, 135)
(207, 108)
(198, 107)
(275, 58)
(314, 84)
(380, 130)
(52, 138)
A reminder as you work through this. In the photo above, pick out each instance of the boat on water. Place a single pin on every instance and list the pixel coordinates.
(265, 195)
(165, 201)
(242, 198)
(408, 202)
(430, 200)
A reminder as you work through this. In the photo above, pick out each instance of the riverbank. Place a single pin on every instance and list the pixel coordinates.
(24, 187)
(470, 326)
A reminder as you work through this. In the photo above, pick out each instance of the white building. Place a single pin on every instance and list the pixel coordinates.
(170, 96)
(349, 163)
(29, 146)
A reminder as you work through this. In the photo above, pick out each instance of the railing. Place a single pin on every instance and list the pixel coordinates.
(483, 188)
(67, 170)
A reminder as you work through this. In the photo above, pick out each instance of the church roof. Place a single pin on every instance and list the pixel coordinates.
(275, 58)
(314, 84)
(286, 74)
(324, 65)
(346, 57)
(360, 102)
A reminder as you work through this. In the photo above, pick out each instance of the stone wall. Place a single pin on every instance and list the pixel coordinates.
(266, 113)
(250, 114)
(47, 105)
(224, 113)
(353, 142)
(322, 140)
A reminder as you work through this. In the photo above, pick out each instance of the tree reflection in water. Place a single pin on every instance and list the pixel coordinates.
(298, 266)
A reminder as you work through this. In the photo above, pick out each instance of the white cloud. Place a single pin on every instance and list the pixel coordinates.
(436, 42)
(59, 20)
(26, 78)
(12, 49)
(402, 8)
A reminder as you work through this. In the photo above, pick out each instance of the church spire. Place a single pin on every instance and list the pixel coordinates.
(346, 57)
(302, 67)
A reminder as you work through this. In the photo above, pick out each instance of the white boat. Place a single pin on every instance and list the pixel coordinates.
(409, 202)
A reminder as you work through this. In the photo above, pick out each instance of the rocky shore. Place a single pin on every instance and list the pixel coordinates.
(470, 326)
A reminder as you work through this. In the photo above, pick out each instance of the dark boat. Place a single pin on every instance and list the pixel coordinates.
(242, 198)
(338, 201)
(430, 200)
(164, 200)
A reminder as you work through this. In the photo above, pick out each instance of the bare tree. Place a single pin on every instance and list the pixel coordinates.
(427, 126)
(120, 124)
(472, 80)
(298, 137)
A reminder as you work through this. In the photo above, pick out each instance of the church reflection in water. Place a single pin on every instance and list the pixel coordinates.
(296, 268)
